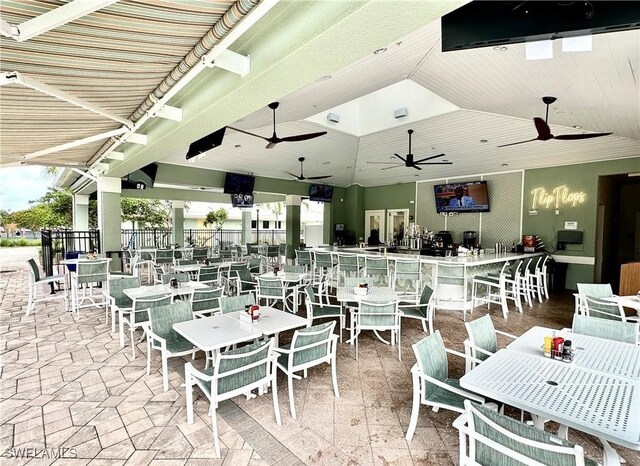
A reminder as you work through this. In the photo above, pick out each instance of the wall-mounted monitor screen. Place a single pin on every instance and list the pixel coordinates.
(235, 183)
(467, 196)
(242, 200)
(320, 193)
(570, 236)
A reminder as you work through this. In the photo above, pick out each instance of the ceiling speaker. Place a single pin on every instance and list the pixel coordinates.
(401, 113)
(206, 143)
(333, 117)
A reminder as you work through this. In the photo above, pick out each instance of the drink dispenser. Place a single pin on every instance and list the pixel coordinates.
(469, 239)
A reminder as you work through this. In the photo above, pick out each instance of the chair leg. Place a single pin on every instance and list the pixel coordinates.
(274, 396)
(121, 326)
(292, 402)
(133, 342)
(30, 304)
(165, 371)
(214, 427)
(415, 408)
(334, 375)
(149, 356)
(188, 392)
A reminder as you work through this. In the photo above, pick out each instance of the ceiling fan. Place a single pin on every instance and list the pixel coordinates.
(274, 139)
(301, 177)
(410, 162)
(544, 132)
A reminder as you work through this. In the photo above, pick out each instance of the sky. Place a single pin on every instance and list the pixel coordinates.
(19, 185)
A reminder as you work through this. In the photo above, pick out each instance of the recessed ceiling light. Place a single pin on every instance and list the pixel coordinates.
(416, 176)
(238, 146)
(380, 50)
(349, 166)
(501, 48)
(483, 141)
(445, 160)
(399, 42)
(326, 163)
(504, 164)
(324, 78)
(577, 126)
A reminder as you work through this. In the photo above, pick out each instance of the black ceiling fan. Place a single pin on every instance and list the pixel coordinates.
(301, 177)
(274, 139)
(544, 132)
(410, 162)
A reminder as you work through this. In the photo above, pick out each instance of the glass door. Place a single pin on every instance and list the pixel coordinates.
(397, 221)
(374, 220)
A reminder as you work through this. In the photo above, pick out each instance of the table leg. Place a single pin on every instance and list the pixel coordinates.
(611, 457)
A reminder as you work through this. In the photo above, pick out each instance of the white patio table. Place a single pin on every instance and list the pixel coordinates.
(632, 301)
(185, 288)
(272, 321)
(598, 393)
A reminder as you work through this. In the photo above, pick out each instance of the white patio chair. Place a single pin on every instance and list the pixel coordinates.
(36, 280)
(378, 317)
(309, 347)
(236, 372)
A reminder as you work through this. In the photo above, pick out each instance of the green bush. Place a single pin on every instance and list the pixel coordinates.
(17, 243)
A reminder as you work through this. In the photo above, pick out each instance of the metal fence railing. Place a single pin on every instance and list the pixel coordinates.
(161, 237)
(56, 244)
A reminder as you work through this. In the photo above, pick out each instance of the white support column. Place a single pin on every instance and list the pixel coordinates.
(109, 217)
(293, 224)
(246, 226)
(177, 217)
(81, 212)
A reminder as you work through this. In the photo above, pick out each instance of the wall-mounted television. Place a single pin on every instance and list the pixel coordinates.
(141, 179)
(242, 200)
(467, 196)
(235, 183)
(320, 192)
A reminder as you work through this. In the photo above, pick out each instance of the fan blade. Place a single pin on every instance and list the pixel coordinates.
(428, 158)
(571, 137)
(247, 132)
(521, 142)
(318, 177)
(544, 132)
(400, 158)
(385, 163)
(271, 144)
(291, 174)
(416, 167)
(434, 163)
(395, 166)
(302, 137)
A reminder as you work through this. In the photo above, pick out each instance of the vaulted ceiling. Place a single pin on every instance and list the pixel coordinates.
(315, 56)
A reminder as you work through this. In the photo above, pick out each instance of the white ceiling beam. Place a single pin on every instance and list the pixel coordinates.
(34, 84)
(76, 143)
(136, 138)
(52, 19)
(168, 113)
(6, 29)
(115, 155)
(233, 62)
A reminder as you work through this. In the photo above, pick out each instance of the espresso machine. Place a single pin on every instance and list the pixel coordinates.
(441, 243)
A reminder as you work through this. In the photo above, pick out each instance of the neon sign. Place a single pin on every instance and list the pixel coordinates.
(559, 196)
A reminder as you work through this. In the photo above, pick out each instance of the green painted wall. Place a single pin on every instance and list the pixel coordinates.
(396, 196)
(578, 178)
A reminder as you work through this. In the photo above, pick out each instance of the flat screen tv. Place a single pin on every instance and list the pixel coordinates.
(235, 183)
(467, 196)
(320, 193)
(242, 200)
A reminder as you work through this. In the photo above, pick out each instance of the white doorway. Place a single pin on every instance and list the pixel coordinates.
(397, 221)
(374, 220)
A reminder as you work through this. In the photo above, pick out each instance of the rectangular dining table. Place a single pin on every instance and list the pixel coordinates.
(185, 288)
(597, 393)
(272, 321)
